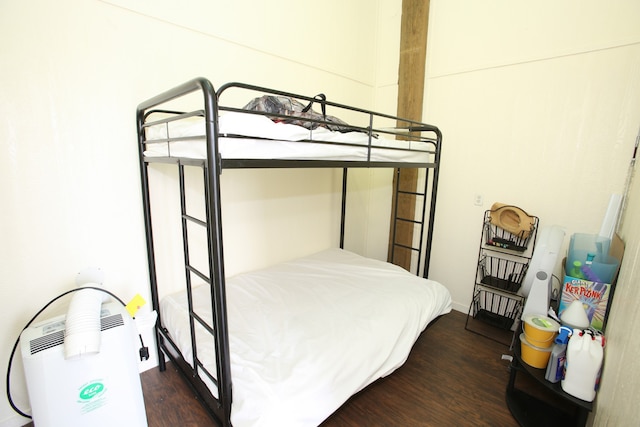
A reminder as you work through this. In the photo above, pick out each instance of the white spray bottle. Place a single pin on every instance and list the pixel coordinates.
(555, 367)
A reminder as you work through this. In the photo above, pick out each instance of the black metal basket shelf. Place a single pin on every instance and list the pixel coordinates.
(507, 243)
(494, 319)
(501, 273)
(500, 238)
(495, 308)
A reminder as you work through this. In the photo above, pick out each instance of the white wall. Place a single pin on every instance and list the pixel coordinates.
(616, 404)
(72, 74)
(539, 108)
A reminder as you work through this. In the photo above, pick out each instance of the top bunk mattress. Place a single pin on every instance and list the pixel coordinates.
(253, 136)
(307, 334)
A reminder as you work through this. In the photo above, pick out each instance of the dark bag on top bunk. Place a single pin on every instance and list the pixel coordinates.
(300, 114)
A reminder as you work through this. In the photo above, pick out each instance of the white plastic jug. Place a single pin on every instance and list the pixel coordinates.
(582, 366)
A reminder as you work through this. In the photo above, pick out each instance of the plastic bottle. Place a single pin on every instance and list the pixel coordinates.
(576, 270)
(555, 367)
(583, 363)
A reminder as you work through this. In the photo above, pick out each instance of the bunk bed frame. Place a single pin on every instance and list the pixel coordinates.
(213, 164)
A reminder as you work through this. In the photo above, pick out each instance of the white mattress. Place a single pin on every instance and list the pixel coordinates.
(307, 334)
(264, 139)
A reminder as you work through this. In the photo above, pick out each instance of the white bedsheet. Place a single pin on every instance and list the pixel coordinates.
(283, 141)
(307, 334)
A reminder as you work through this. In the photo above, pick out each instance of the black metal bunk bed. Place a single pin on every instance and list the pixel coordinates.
(152, 113)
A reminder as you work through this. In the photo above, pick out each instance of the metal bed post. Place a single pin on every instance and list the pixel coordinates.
(146, 208)
(216, 261)
(344, 207)
(432, 208)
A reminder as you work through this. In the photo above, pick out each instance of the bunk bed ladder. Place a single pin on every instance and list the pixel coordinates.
(189, 270)
(195, 320)
(429, 192)
(220, 406)
(399, 246)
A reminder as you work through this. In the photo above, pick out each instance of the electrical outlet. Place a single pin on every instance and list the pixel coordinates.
(478, 200)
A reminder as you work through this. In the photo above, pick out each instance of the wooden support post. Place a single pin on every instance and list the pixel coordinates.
(411, 74)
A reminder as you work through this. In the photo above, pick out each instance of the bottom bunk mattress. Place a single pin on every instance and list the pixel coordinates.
(307, 334)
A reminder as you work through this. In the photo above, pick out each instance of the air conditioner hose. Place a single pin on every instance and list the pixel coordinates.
(82, 334)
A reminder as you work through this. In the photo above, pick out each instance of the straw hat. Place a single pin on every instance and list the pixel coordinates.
(512, 219)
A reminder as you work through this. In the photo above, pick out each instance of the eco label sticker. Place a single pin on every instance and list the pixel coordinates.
(92, 395)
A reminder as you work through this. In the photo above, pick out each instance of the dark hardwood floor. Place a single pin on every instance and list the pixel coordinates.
(453, 377)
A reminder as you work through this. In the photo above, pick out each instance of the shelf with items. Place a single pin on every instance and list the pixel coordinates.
(546, 404)
(498, 239)
(500, 272)
(503, 260)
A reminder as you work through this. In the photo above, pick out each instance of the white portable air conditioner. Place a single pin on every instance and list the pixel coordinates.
(94, 388)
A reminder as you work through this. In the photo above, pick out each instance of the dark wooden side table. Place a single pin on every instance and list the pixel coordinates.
(556, 409)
